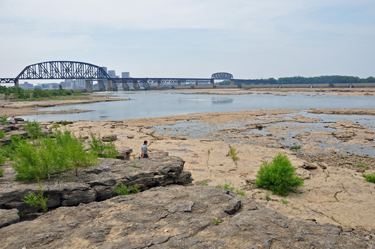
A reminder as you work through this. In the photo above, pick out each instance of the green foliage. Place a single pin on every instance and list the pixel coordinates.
(37, 201)
(133, 164)
(295, 147)
(217, 222)
(4, 118)
(285, 202)
(8, 150)
(233, 154)
(370, 177)
(65, 122)
(228, 186)
(202, 183)
(45, 157)
(268, 198)
(361, 165)
(55, 126)
(2, 134)
(101, 149)
(33, 129)
(37, 94)
(125, 190)
(2, 172)
(278, 176)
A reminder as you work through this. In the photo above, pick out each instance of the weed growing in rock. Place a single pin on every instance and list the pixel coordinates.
(233, 154)
(268, 198)
(228, 186)
(361, 165)
(2, 134)
(37, 201)
(65, 122)
(217, 222)
(203, 183)
(101, 149)
(295, 147)
(4, 118)
(33, 129)
(285, 202)
(278, 176)
(370, 177)
(55, 126)
(125, 190)
(133, 165)
(2, 172)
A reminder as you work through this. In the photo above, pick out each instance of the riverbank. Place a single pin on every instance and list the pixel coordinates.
(239, 91)
(334, 191)
(21, 108)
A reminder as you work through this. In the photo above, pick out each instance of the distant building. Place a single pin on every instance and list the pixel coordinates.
(27, 86)
(125, 75)
(50, 86)
(112, 73)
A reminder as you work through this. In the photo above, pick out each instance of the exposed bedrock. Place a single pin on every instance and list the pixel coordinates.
(96, 183)
(174, 217)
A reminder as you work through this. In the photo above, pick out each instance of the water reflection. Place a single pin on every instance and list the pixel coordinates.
(216, 101)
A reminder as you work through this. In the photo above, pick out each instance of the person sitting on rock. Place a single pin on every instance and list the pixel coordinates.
(13, 121)
(144, 153)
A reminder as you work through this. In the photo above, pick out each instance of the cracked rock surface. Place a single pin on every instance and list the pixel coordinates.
(174, 217)
(95, 183)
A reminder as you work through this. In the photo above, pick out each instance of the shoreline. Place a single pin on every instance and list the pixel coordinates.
(23, 108)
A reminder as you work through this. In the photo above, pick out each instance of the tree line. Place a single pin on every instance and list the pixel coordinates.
(19, 93)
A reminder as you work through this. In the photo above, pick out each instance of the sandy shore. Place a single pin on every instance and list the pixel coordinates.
(21, 108)
(338, 194)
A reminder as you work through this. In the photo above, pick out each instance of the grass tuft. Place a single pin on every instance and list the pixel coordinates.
(125, 190)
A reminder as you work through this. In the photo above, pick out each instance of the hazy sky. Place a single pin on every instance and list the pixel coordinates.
(191, 38)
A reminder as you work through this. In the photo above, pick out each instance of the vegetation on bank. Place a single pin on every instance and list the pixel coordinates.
(278, 176)
(125, 190)
(18, 93)
(369, 177)
(304, 80)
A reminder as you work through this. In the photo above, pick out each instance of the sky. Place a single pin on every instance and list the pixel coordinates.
(251, 39)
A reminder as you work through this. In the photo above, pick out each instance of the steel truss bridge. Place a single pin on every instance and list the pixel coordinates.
(53, 70)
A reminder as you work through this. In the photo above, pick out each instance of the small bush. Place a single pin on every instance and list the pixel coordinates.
(55, 126)
(4, 118)
(2, 172)
(268, 198)
(217, 221)
(361, 165)
(285, 202)
(2, 134)
(370, 177)
(233, 154)
(8, 150)
(37, 201)
(65, 122)
(125, 190)
(295, 147)
(33, 129)
(101, 149)
(278, 176)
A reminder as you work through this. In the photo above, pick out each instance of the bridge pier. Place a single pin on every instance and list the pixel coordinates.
(88, 86)
(16, 83)
(196, 83)
(212, 83)
(179, 83)
(146, 85)
(125, 86)
(232, 82)
(101, 85)
(159, 84)
(136, 86)
(109, 85)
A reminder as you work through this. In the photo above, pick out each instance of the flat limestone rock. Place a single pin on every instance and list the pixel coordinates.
(174, 217)
(8, 217)
(96, 183)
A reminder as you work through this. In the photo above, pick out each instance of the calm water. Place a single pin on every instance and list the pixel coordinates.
(160, 103)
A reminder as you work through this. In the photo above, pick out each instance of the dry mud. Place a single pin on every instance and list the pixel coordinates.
(337, 194)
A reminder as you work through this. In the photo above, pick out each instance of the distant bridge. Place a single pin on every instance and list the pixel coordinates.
(89, 72)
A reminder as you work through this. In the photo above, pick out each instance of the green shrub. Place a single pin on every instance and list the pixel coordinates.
(285, 202)
(361, 165)
(46, 156)
(37, 200)
(233, 154)
(295, 147)
(2, 134)
(33, 129)
(268, 198)
(228, 186)
(370, 177)
(101, 149)
(2, 172)
(125, 190)
(278, 176)
(8, 150)
(4, 118)
(55, 126)
(65, 122)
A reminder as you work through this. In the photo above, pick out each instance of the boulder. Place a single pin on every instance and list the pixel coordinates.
(124, 153)
(8, 217)
(109, 138)
(361, 170)
(307, 165)
(96, 183)
(174, 217)
(19, 119)
(130, 136)
(5, 141)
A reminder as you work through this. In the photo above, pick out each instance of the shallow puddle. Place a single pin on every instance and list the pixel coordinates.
(185, 145)
(124, 135)
(200, 170)
(180, 151)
